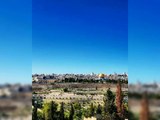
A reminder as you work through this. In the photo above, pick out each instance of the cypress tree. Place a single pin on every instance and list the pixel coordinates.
(99, 112)
(92, 110)
(109, 105)
(99, 109)
(62, 112)
(71, 113)
(47, 111)
(144, 115)
(119, 100)
(53, 110)
(34, 113)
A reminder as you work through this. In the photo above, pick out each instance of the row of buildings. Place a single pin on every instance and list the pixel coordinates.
(153, 88)
(15, 101)
(9, 91)
(93, 76)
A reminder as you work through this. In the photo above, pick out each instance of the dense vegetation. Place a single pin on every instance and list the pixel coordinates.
(139, 95)
(70, 80)
(113, 108)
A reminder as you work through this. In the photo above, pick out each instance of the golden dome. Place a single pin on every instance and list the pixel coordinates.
(101, 75)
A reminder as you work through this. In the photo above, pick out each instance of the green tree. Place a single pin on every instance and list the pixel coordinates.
(71, 114)
(47, 111)
(34, 113)
(99, 109)
(99, 112)
(65, 89)
(53, 108)
(40, 115)
(125, 110)
(86, 112)
(78, 113)
(131, 116)
(92, 110)
(61, 114)
(109, 105)
(96, 88)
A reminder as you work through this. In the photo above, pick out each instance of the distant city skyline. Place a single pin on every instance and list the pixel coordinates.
(80, 73)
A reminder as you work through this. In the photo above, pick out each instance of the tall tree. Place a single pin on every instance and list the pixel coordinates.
(47, 111)
(53, 110)
(34, 113)
(62, 112)
(99, 109)
(144, 114)
(131, 116)
(71, 114)
(92, 110)
(119, 100)
(40, 115)
(125, 110)
(99, 112)
(78, 113)
(109, 105)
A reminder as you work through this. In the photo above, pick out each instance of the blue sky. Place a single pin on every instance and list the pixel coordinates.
(144, 40)
(16, 41)
(80, 36)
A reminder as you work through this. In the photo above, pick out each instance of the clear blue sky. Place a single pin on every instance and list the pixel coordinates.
(80, 36)
(144, 40)
(16, 41)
